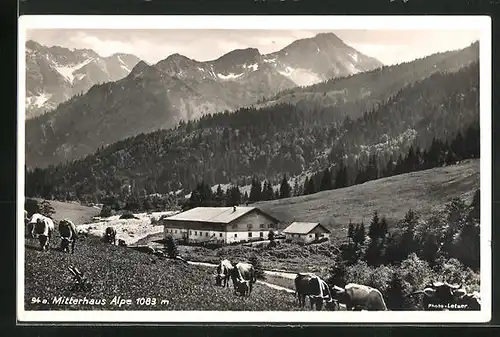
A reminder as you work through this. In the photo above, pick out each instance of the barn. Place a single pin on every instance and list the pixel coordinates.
(220, 224)
(305, 232)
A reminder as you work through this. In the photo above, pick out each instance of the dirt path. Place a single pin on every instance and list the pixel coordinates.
(282, 274)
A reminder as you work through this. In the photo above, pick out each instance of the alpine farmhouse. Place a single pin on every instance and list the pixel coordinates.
(305, 232)
(219, 224)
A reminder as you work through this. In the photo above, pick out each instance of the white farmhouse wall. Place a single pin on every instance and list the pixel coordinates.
(250, 226)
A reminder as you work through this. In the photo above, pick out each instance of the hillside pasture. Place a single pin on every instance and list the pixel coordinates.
(130, 230)
(286, 256)
(423, 191)
(119, 271)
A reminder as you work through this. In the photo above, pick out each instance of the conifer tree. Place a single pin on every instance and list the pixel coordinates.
(284, 188)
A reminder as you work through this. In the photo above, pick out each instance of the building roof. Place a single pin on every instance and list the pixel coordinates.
(214, 214)
(303, 227)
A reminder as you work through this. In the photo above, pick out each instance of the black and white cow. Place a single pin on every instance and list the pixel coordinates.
(311, 285)
(243, 277)
(223, 275)
(67, 230)
(43, 227)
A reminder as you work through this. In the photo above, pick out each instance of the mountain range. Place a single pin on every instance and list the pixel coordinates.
(55, 74)
(158, 96)
(277, 141)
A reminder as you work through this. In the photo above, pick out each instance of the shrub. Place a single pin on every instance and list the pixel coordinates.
(46, 208)
(171, 247)
(128, 215)
(259, 272)
(106, 212)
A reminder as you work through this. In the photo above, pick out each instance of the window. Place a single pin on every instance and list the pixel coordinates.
(310, 235)
(234, 226)
(206, 234)
(249, 226)
(176, 231)
(190, 232)
(250, 234)
(220, 234)
(262, 226)
(195, 233)
(235, 235)
(261, 234)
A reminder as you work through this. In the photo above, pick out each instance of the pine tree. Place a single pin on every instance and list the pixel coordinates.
(311, 189)
(171, 247)
(326, 180)
(374, 229)
(255, 190)
(219, 194)
(284, 188)
(306, 186)
(350, 231)
(296, 191)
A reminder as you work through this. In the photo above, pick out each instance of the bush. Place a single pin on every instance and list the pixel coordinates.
(46, 208)
(106, 212)
(171, 247)
(259, 272)
(128, 215)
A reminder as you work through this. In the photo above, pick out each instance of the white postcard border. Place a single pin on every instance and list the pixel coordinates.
(480, 23)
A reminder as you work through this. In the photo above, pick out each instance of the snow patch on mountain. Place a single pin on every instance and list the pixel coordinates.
(254, 66)
(230, 76)
(270, 60)
(123, 65)
(354, 56)
(67, 71)
(301, 76)
(38, 100)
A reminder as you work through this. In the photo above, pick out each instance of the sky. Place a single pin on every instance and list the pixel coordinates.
(153, 45)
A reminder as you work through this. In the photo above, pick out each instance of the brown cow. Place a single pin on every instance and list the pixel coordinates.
(67, 230)
(359, 297)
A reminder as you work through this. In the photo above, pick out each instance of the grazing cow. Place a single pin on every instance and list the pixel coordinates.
(223, 273)
(110, 235)
(44, 228)
(122, 243)
(32, 221)
(311, 285)
(243, 273)
(67, 230)
(359, 297)
(445, 296)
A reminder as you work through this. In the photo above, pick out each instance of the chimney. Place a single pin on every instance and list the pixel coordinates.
(234, 208)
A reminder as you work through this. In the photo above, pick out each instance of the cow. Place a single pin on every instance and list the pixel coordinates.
(32, 221)
(243, 273)
(122, 243)
(359, 297)
(311, 285)
(445, 296)
(110, 235)
(67, 230)
(223, 273)
(43, 228)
